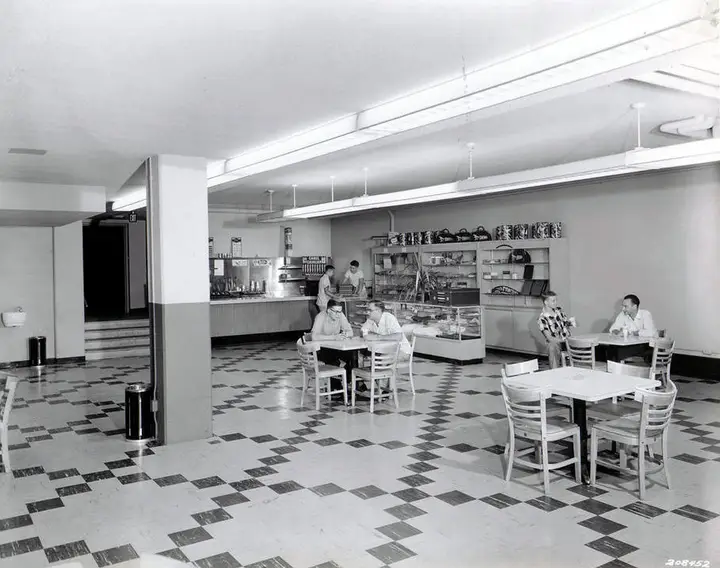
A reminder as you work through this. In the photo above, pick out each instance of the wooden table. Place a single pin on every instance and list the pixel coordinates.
(583, 386)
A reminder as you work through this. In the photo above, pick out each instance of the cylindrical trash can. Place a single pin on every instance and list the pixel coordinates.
(139, 419)
(38, 351)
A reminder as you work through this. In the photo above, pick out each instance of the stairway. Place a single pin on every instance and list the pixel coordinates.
(116, 339)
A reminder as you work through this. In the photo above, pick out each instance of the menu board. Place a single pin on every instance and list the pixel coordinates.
(236, 247)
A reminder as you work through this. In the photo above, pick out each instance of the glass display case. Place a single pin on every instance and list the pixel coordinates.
(356, 311)
(460, 323)
(456, 268)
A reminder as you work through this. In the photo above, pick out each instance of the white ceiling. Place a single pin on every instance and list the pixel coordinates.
(102, 85)
(596, 123)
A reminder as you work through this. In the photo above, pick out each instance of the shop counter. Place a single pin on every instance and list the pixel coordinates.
(231, 317)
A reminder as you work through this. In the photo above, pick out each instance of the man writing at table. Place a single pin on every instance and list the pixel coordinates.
(639, 323)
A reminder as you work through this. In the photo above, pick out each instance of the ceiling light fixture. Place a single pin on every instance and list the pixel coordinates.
(628, 46)
(634, 161)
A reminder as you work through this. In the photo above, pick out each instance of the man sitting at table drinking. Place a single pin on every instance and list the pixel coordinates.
(638, 323)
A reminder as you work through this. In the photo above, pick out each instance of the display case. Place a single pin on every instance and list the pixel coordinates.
(451, 266)
(508, 280)
(356, 310)
(456, 333)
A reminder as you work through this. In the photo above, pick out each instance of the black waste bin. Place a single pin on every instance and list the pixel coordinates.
(38, 351)
(139, 419)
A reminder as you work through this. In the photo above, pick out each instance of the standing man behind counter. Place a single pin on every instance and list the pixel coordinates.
(325, 288)
(356, 277)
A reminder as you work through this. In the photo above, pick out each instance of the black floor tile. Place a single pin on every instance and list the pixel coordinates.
(611, 546)
(230, 499)
(67, 551)
(19, 547)
(455, 498)
(327, 489)
(594, 506)
(170, 480)
(695, 513)
(189, 536)
(285, 487)
(391, 552)
(207, 482)
(602, 525)
(500, 500)
(73, 489)
(368, 492)
(115, 555)
(45, 505)
(223, 560)
(411, 495)
(212, 516)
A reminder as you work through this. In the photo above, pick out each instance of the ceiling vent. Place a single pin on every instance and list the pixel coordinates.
(27, 151)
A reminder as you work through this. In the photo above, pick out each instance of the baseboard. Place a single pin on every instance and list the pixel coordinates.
(706, 368)
(49, 361)
(447, 359)
(256, 338)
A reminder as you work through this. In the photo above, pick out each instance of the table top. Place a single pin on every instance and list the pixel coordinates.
(352, 344)
(582, 384)
(610, 339)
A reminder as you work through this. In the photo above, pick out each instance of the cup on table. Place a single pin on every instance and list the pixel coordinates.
(573, 322)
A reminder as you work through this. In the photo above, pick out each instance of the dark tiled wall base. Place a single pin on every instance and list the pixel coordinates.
(55, 361)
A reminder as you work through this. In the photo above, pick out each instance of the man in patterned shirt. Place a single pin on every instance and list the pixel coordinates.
(555, 326)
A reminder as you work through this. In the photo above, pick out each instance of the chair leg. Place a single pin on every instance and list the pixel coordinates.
(353, 381)
(372, 395)
(304, 388)
(317, 392)
(593, 456)
(538, 451)
(666, 470)
(412, 381)
(622, 452)
(545, 464)
(578, 462)
(5, 448)
(641, 471)
(510, 457)
(393, 386)
(344, 381)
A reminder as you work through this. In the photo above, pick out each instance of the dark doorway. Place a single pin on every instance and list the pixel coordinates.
(105, 270)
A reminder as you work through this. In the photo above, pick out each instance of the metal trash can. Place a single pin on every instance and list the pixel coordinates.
(38, 351)
(139, 419)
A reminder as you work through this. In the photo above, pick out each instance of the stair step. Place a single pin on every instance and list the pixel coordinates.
(116, 343)
(117, 353)
(117, 332)
(117, 324)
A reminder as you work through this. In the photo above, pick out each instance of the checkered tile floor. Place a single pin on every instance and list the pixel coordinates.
(285, 486)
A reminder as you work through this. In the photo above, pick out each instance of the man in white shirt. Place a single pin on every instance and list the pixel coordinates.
(325, 288)
(639, 323)
(382, 325)
(356, 277)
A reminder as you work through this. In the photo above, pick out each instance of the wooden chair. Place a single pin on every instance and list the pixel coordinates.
(581, 352)
(527, 419)
(554, 406)
(312, 368)
(383, 361)
(640, 431)
(403, 364)
(6, 402)
(661, 359)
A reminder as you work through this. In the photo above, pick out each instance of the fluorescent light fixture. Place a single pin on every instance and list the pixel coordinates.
(130, 199)
(675, 156)
(634, 161)
(634, 44)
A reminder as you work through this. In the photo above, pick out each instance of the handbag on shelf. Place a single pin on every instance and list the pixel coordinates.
(463, 236)
(445, 236)
(519, 256)
(480, 234)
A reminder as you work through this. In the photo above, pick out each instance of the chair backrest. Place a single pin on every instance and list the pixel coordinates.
(6, 399)
(656, 410)
(383, 357)
(629, 370)
(515, 369)
(522, 406)
(581, 352)
(662, 355)
(308, 356)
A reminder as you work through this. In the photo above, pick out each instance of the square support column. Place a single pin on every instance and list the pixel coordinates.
(179, 296)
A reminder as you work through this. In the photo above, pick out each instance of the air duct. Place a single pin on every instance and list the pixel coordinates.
(697, 127)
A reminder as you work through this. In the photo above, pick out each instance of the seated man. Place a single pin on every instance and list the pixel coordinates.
(639, 323)
(382, 325)
(332, 324)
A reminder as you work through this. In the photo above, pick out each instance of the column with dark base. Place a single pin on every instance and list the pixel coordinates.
(179, 294)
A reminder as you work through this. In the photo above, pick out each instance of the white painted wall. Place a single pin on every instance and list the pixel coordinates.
(68, 291)
(655, 235)
(310, 237)
(26, 280)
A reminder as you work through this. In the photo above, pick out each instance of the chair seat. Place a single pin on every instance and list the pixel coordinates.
(366, 374)
(330, 371)
(626, 430)
(556, 428)
(613, 410)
